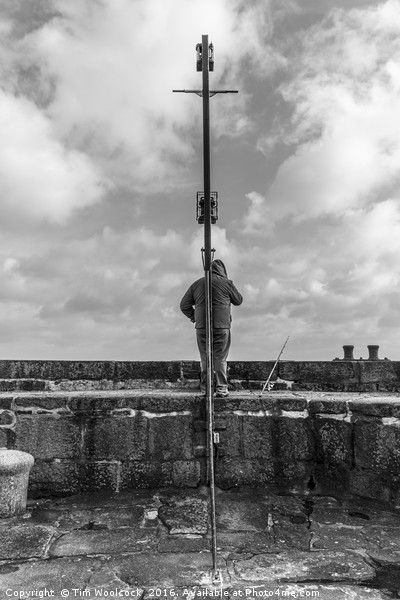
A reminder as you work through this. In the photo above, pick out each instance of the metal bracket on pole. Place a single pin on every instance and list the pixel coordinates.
(205, 63)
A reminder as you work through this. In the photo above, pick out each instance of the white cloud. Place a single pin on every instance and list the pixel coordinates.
(99, 271)
(346, 124)
(258, 219)
(39, 177)
(114, 65)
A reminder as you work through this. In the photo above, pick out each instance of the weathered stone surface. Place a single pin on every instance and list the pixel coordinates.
(322, 592)
(367, 483)
(27, 385)
(52, 477)
(281, 523)
(246, 541)
(103, 403)
(250, 369)
(292, 476)
(321, 372)
(377, 445)
(133, 554)
(186, 473)
(353, 512)
(331, 478)
(145, 474)
(171, 570)
(231, 437)
(238, 472)
(48, 575)
(293, 439)
(116, 438)
(105, 582)
(173, 401)
(170, 437)
(347, 537)
(41, 403)
(102, 518)
(334, 441)
(60, 518)
(48, 436)
(234, 514)
(6, 401)
(3, 438)
(171, 371)
(304, 566)
(185, 516)
(184, 543)
(285, 403)
(291, 535)
(56, 369)
(245, 401)
(327, 405)
(280, 438)
(257, 438)
(117, 541)
(375, 407)
(351, 375)
(20, 541)
(380, 371)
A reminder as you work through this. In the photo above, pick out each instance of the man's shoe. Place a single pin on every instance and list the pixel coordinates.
(222, 394)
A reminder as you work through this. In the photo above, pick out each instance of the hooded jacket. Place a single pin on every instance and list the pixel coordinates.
(223, 292)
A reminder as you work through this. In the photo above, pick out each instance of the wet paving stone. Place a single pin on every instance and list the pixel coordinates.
(170, 571)
(161, 539)
(80, 543)
(318, 592)
(254, 514)
(304, 566)
(333, 537)
(56, 575)
(246, 541)
(183, 543)
(185, 515)
(22, 541)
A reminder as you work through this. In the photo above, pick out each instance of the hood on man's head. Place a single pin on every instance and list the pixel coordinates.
(218, 267)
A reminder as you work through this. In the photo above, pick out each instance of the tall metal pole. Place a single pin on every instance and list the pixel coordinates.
(205, 93)
(208, 293)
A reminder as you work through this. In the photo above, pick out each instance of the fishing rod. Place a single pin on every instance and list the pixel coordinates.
(273, 368)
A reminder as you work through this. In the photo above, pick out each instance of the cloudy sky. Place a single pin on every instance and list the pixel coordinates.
(100, 163)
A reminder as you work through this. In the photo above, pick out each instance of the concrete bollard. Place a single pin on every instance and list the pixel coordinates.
(14, 473)
(14, 477)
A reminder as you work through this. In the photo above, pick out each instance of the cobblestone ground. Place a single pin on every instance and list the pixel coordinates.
(156, 544)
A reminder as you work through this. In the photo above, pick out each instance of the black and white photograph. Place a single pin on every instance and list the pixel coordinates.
(199, 299)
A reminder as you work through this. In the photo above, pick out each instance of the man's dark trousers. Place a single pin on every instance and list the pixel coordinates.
(221, 346)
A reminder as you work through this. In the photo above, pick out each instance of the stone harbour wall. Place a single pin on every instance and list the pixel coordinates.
(308, 442)
(336, 375)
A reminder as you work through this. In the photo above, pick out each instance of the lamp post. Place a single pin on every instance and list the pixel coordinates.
(207, 212)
